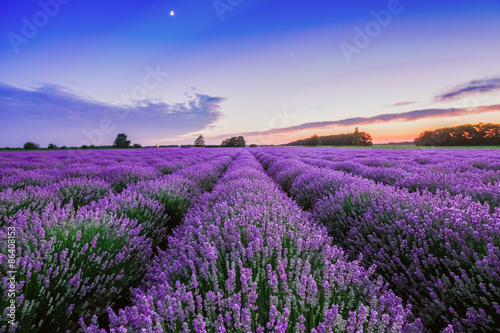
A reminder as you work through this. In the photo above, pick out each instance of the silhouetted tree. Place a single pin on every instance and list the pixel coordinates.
(365, 139)
(235, 141)
(121, 141)
(199, 142)
(137, 145)
(52, 146)
(31, 145)
(356, 137)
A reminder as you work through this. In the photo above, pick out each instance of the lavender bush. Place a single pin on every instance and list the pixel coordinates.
(70, 266)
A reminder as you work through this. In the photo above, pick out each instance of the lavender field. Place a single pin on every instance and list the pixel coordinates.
(250, 240)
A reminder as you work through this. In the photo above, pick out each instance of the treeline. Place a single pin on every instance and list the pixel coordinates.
(464, 135)
(347, 139)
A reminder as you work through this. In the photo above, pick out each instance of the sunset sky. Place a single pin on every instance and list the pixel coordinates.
(76, 72)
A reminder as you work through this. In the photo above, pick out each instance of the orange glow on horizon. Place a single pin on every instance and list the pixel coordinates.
(394, 131)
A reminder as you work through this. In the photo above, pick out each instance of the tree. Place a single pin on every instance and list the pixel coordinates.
(137, 145)
(235, 141)
(199, 142)
(31, 145)
(365, 139)
(121, 141)
(52, 146)
(253, 145)
(356, 137)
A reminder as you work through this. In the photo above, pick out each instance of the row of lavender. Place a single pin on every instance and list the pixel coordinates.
(79, 247)
(474, 173)
(34, 179)
(439, 252)
(247, 259)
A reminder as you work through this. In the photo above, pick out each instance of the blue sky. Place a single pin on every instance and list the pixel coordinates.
(79, 72)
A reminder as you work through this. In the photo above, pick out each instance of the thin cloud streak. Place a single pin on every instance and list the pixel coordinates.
(405, 103)
(471, 87)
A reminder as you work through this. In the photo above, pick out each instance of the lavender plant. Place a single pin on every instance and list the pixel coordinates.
(70, 267)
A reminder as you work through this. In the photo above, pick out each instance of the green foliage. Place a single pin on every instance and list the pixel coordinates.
(137, 145)
(235, 141)
(81, 192)
(31, 145)
(52, 146)
(86, 265)
(121, 141)
(463, 135)
(253, 145)
(199, 142)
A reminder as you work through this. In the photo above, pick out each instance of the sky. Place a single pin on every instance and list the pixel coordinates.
(76, 72)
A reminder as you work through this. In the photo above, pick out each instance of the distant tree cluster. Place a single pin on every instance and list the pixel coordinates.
(31, 145)
(314, 140)
(349, 139)
(235, 141)
(463, 135)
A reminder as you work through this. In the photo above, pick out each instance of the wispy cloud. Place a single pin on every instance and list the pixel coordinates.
(403, 116)
(48, 110)
(472, 87)
(404, 103)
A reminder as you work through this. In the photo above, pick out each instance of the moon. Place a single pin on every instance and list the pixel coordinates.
(172, 13)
